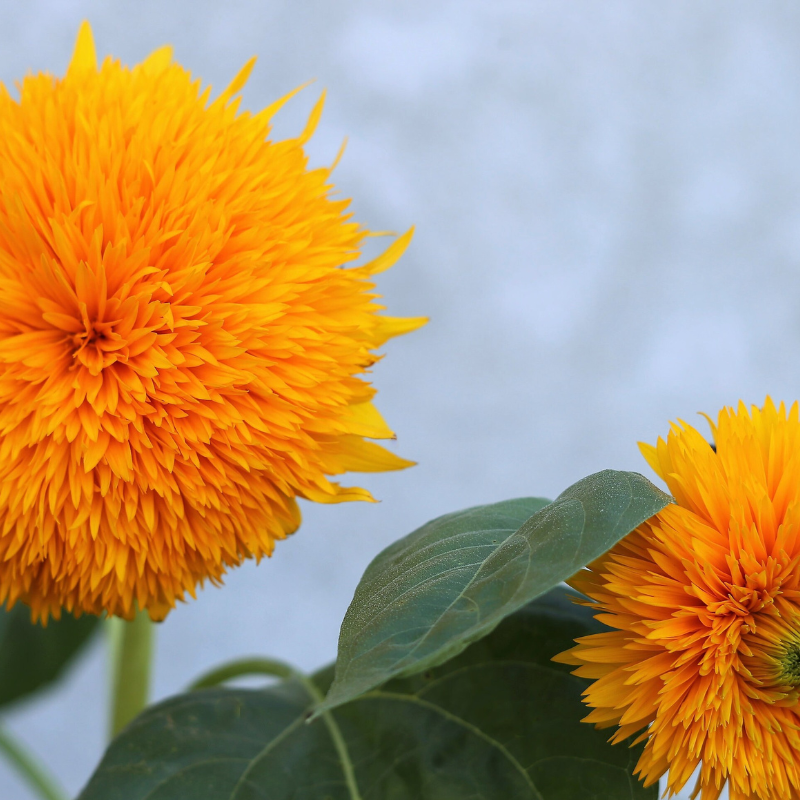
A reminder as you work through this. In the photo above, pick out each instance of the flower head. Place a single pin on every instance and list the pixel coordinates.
(703, 659)
(180, 347)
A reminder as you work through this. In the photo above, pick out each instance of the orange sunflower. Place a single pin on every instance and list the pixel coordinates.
(180, 347)
(703, 659)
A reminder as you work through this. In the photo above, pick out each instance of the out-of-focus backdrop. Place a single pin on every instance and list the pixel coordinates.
(607, 202)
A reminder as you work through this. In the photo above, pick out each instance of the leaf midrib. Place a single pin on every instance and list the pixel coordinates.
(416, 700)
(290, 729)
(396, 668)
(406, 571)
(265, 751)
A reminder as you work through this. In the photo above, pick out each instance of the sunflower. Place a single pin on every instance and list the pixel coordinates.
(180, 345)
(703, 659)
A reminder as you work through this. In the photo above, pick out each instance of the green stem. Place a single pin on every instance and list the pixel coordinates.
(336, 737)
(278, 669)
(131, 645)
(36, 775)
(245, 666)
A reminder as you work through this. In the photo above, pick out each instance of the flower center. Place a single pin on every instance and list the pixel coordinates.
(96, 346)
(790, 664)
(89, 337)
(771, 657)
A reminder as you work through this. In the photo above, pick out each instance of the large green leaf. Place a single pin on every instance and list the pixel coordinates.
(428, 596)
(31, 655)
(500, 721)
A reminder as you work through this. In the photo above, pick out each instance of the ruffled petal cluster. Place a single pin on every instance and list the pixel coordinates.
(180, 345)
(702, 659)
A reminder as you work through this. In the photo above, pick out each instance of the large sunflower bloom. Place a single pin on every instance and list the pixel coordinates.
(179, 345)
(704, 601)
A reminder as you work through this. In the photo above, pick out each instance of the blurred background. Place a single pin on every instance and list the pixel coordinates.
(607, 202)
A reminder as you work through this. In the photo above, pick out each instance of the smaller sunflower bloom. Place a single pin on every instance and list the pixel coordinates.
(703, 601)
(181, 344)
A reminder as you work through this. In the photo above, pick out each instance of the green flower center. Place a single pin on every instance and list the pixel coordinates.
(790, 664)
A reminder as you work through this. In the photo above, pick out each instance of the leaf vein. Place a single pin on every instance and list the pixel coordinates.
(464, 724)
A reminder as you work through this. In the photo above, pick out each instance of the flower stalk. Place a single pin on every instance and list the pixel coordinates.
(29, 768)
(131, 652)
(246, 667)
(279, 669)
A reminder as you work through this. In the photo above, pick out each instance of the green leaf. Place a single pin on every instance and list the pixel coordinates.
(500, 721)
(33, 656)
(429, 595)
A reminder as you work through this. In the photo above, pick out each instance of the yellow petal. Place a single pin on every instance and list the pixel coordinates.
(360, 456)
(84, 56)
(158, 60)
(313, 119)
(340, 494)
(390, 256)
(272, 109)
(363, 419)
(238, 82)
(388, 327)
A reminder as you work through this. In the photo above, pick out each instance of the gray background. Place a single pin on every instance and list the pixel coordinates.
(607, 199)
